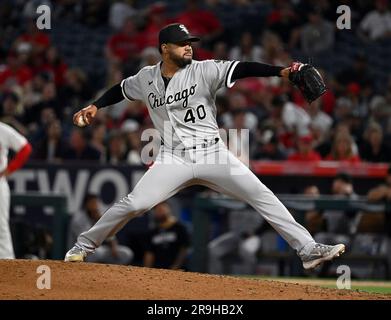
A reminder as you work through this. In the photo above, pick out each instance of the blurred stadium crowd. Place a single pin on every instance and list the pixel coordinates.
(47, 75)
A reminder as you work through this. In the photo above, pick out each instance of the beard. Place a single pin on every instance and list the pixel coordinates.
(181, 62)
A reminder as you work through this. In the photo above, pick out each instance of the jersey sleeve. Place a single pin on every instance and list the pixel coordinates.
(131, 87)
(218, 73)
(14, 140)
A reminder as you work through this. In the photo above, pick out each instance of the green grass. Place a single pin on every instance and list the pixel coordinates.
(370, 289)
(371, 286)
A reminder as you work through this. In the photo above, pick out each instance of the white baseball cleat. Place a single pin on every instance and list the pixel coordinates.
(76, 254)
(320, 253)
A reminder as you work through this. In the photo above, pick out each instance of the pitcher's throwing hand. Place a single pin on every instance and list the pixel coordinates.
(85, 116)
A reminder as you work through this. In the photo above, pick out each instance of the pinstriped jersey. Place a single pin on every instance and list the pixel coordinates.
(187, 105)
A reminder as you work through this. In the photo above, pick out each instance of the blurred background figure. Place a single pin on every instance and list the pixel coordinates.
(131, 130)
(149, 57)
(201, 21)
(376, 24)
(235, 247)
(53, 146)
(317, 36)
(342, 149)
(383, 191)
(168, 241)
(246, 51)
(337, 226)
(120, 11)
(313, 218)
(80, 148)
(269, 147)
(10, 139)
(124, 46)
(116, 152)
(11, 113)
(374, 148)
(305, 150)
(110, 251)
(382, 222)
(340, 225)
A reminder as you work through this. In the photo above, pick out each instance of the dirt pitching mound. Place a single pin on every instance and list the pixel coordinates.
(18, 280)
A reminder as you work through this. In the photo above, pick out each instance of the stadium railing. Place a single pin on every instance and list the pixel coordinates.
(59, 204)
(299, 203)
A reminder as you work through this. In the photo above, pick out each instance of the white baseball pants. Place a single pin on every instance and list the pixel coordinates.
(6, 248)
(214, 167)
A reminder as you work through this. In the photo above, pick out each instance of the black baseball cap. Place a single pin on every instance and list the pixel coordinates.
(174, 33)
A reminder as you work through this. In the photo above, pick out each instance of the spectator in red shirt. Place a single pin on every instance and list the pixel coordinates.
(14, 73)
(39, 40)
(284, 21)
(305, 150)
(201, 22)
(50, 63)
(55, 65)
(125, 44)
(200, 53)
(342, 149)
(156, 20)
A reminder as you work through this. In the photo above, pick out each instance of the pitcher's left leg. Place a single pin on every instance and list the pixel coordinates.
(235, 179)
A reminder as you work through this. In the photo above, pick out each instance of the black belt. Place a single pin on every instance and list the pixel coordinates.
(202, 145)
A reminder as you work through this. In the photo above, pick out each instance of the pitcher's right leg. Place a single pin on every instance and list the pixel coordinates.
(159, 183)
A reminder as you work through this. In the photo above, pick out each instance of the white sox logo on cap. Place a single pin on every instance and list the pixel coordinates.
(183, 28)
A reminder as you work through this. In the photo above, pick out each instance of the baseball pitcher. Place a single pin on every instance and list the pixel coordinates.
(180, 95)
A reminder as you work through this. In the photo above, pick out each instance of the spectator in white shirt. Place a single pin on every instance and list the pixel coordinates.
(246, 51)
(321, 122)
(376, 24)
(119, 12)
(10, 139)
(294, 118)
(111, 251)
(317, 36)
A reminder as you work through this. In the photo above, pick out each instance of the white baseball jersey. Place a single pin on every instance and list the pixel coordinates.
(9, 139)
(188, 102)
